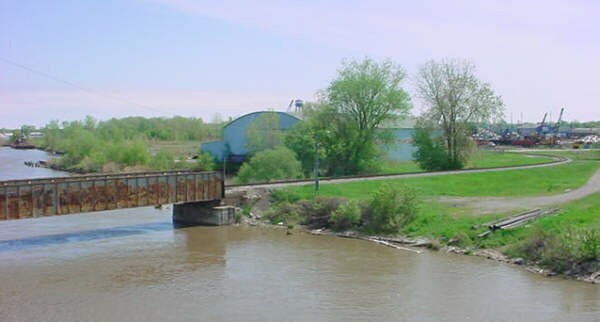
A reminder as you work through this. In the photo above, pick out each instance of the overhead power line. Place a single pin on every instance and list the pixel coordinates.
(79, 87)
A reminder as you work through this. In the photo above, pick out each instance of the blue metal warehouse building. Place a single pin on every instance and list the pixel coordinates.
(234, 144)
(234, 148)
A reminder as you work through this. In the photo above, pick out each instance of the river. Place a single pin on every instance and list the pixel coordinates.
(132, 265)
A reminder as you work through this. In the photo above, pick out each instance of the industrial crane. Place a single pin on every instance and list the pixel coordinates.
(557, 125)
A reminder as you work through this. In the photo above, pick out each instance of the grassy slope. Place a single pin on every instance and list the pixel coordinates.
(490, 159)
(436, 221)
(539, 181)
(482, 159)
(444, 223)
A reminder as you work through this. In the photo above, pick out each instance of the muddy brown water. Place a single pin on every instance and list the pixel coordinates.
(133, 265)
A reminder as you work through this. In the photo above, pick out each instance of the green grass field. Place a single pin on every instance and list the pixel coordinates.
(481, 159)
(538, 181)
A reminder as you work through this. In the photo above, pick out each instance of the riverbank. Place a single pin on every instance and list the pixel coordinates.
(438, 228)
(412, 245)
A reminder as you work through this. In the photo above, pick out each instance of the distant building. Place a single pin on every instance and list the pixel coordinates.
(402, 148)
(36, 135)
(234, 146)
(581, 132)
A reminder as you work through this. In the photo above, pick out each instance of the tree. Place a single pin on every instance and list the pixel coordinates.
(431, 154)
(264, 133)
(299, 138)
(344, 123)
(454, 98)
(268, 165)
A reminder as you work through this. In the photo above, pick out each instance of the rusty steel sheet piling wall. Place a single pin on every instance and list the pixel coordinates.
(67, 195)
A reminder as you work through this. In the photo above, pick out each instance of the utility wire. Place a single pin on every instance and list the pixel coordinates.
(81, 88)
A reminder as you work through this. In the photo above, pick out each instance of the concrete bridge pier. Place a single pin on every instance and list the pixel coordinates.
(207, 213)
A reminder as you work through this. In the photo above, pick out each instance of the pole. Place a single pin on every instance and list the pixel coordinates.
(316, 165)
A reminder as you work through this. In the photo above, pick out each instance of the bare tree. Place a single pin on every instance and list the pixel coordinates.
(455, 98)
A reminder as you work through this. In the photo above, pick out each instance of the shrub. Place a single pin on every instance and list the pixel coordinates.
(205, 162)
(561, 250)
(589, 247)
(390, 208)
(314, 212)
(431, 153)
(346, 216)
(532, 247)
(268, 165)
(162, 160)
(286, 213)
(461, 239)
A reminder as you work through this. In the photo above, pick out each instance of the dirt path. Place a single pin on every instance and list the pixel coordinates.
(484, 205)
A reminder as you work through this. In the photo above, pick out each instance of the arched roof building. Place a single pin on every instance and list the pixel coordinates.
(234, 146)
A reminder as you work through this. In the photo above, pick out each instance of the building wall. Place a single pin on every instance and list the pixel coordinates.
(235, 140)
(234, 135)
(401, 149)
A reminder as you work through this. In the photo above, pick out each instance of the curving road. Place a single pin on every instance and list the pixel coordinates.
(485, 205)
(481, 205)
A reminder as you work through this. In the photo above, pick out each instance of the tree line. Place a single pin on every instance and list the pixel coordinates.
(92, 146)
(343, 128)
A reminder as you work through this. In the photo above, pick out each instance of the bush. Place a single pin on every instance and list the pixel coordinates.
(314, 212)
(268, 165)
(390, 208)
(431, 154)
(318, 210)
(461, 239)
(205, 162)
(162, 160)
(561, 250)
(589, 247)
(346, 216)
(286, 213)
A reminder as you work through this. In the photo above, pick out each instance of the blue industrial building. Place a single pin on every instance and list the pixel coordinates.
(234, 145)
(402, 148)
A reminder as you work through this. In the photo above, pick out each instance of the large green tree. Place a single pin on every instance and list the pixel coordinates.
(454, 98)
(264, 133)
(344, 124)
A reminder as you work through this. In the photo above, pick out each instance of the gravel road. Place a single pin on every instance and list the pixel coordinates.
(484, 205)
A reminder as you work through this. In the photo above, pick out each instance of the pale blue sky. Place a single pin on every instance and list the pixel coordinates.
(199, 58)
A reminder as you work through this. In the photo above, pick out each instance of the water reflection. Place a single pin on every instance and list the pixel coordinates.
(82, 236)
(190, 250)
